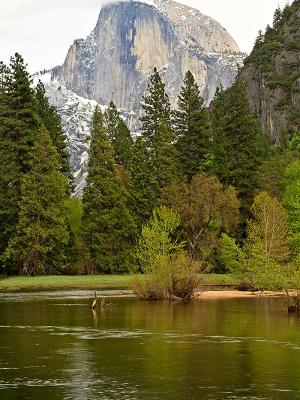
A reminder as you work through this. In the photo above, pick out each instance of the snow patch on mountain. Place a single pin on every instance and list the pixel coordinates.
(76, 114)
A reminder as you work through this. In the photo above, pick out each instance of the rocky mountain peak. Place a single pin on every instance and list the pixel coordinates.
(131, 38)
(211, 36)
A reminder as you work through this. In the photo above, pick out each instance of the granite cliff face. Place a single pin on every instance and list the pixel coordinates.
(130, 38)
(272, 75)
(117, 58)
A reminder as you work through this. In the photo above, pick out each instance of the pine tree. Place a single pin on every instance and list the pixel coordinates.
(52, 122)
(108, 227)
(259, 40)
(156, 108)
(220, 145)
(23, 111)
(19, 124)
(142, 182)
(149, 174)
(157, 132)
(38, 243)
(192, 127)
(9, 169)
(238, 143)
(277, 17)
(119, 136)
(164, 159)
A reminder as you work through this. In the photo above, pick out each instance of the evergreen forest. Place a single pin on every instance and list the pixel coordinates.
(206, 183)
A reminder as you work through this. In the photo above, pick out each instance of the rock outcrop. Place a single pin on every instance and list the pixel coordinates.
(130, 38)
(272, 75)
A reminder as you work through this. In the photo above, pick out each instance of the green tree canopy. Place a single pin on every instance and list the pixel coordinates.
(207, 209)
(262, 260)
(269, 226)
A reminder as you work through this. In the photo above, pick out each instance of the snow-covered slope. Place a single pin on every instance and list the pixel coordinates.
(76, 113)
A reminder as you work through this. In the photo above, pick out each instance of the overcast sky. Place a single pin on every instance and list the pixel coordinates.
(42, 30)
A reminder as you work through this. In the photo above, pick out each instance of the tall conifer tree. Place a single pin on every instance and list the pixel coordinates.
(156, 108)
(164, 160)
(238, 143)
(157, 132)
(37, 245)
(108, 227)
(119, 136)
(142, 182)
(23, 111)
(19, 124)
(193, 129)
(9, 168)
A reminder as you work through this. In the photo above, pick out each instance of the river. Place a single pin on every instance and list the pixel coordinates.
(52, 346)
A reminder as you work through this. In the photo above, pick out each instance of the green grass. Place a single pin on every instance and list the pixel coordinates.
(43, 283)
(90, 282)
(221, 280)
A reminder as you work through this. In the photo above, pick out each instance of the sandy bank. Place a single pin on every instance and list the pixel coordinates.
(229, 294)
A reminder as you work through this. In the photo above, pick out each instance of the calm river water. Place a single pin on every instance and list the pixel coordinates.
(57, 348)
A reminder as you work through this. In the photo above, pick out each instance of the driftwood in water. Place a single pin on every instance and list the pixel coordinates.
(94, 302)
(103, 303)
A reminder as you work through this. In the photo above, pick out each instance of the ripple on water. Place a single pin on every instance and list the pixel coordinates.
(66, 295)
(168, 337)
(109, 389)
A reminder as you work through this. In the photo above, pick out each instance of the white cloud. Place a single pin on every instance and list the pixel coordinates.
(42, 31)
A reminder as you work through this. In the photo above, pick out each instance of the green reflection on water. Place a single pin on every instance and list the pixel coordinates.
(212, 349)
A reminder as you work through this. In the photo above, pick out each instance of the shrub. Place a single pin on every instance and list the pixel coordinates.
(168, 271)
(171, 277)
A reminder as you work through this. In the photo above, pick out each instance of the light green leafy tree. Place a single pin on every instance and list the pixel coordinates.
(291, 202)
(157, 237)
(169, 271)
(263, 258)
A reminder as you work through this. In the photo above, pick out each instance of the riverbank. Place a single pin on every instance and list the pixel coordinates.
(94, 282)
(232, 294)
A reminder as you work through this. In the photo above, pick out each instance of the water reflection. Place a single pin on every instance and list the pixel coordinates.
(57, 348)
